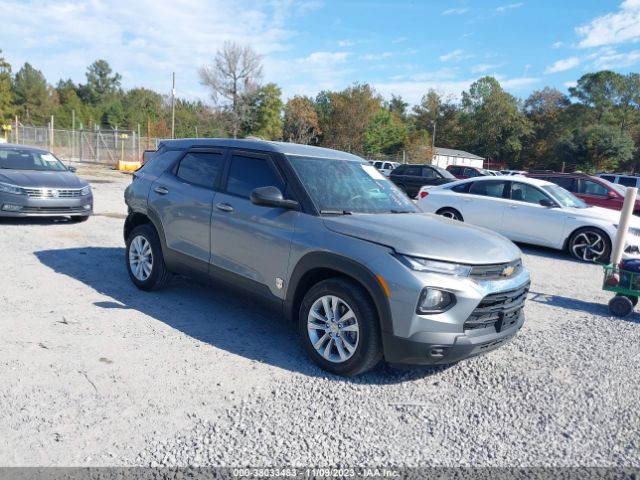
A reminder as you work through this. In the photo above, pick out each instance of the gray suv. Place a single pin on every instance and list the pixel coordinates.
(330, 242)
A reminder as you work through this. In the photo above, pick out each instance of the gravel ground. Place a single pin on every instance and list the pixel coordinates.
(97, 373)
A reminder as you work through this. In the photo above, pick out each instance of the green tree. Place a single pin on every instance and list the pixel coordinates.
(601, 91)
(301, 122)
(31, 95)
(398, 106)
(596, 147)
(385, 134)
(140, 105)
(494, 125)
(444, 113)
(102, 83)
(6, 93)
(268, 113)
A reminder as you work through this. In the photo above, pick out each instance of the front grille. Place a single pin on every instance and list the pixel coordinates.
(52, 192)
(500, 310)
(495, 271)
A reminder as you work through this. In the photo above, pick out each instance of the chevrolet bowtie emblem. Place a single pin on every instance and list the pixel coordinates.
(508, 271)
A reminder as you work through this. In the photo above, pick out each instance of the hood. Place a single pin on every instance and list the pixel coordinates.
(604, 214)
(35, 179)
(429, 236)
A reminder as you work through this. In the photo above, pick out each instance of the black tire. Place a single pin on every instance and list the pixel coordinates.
(159, 276)
(451, 213)
(601, 249)
(368, 350)
(634, 300)
(620, 306)
(79, 219)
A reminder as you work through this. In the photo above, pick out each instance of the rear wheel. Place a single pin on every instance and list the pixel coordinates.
(590, 245)
(620, 306)
(339, 327)
(634, 300)
(144, 259)
(451, 213)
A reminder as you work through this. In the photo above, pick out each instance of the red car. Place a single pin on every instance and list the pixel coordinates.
(464, 171)
(593, 190)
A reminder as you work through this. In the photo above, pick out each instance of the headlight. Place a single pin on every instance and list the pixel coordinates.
(7, 188)
(85, 190)
(434, 300)
(435, 266)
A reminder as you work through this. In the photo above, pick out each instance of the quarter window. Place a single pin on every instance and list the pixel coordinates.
(628, 181)
(200, 168)
(248, 173)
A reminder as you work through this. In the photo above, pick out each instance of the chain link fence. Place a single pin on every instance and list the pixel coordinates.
(106, 147)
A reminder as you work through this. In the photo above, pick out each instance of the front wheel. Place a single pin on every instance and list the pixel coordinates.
(620, 306)
(451, 213)
(144, 259)
(590, 245)
(339, 327)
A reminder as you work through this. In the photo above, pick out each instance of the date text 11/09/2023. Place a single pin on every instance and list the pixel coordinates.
(315, 472)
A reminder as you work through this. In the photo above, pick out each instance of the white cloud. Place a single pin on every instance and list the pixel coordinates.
(511, 6)
(570, 84)
(483, 67)
(612, 28)
(455, 11)
(324, 58)
(562, 65)
(614, 60)
(454, 56)
(557, 44)
(377, 56)
(517, 83)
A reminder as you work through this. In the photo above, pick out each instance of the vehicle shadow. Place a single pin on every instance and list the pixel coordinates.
(44, 221)
(217, 315)
(578, 305)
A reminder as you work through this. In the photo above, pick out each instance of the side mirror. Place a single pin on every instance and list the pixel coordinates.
(612, 194)
(271, 197)
(71, 169)
(545, 202)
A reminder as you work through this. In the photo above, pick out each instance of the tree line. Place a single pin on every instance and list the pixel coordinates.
(596, 126)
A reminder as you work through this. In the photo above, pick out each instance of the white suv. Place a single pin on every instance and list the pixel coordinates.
(385, 167)
(626, 180)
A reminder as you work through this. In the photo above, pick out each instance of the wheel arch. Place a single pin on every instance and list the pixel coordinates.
(585, 227)
(318, 266)
(449, 208)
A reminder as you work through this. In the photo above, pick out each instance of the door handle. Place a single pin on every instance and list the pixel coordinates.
(225, 207)
(161, 190)
(513, 206)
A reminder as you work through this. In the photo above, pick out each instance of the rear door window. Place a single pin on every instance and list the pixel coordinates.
(488, 189)
(566, 183)
(611, 178)
(429, 172)
(589, 187)
(413, 170)
(628, 181)
(200, 168)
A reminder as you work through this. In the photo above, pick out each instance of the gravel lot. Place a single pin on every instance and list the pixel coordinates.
(97, 373)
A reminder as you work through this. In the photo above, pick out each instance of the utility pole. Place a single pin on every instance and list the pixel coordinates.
(433, 142)
(73, 133)
(173, 107)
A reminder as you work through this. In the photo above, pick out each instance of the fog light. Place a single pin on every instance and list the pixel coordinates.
(433, 300)
(87, 207)
(9, 207)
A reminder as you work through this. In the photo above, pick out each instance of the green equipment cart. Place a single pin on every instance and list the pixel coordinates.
(626, 285)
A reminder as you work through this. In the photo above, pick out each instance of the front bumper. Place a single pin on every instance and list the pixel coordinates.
(24, 206)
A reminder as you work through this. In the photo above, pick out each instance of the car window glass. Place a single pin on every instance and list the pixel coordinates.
(454, 170)
(200, 168)
(611, 178)
(566, 183)
(428, 172)
(628, 181)
(523, 192)
(470, 172)
(488, 189)
(248, 173)
(413, 170)
(377, 164)
(387, 166)
(462, 188)
(589, 187)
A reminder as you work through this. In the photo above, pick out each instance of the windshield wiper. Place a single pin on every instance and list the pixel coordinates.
(335, 212)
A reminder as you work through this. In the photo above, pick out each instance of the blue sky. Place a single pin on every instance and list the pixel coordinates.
(401, 47)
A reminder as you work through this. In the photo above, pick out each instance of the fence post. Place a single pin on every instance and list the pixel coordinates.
(97, 146)
(139, 157)
(51, 137)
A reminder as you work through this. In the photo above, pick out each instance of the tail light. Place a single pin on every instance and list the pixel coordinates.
(423, 193)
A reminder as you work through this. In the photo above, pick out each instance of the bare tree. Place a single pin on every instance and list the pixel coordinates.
(233, 75)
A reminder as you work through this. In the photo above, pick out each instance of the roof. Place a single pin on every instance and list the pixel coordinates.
(265, 146)
(455, 153)
(504, 178)
(11, 146)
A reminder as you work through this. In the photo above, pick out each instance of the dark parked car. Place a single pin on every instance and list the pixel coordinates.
(593, 190)
(314, 232)
(464, 171)
(33, 182)
(411, 178)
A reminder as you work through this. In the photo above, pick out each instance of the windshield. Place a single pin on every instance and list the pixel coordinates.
(443, 172)
(342, 186)
(564, 197)
(621, 189)
(24, 159)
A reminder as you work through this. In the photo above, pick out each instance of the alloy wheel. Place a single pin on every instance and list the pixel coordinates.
(589, 246)
(333, 328)
(140, 258)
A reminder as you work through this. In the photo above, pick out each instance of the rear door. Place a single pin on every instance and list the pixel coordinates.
(182, 198)
(251, 241)
(484, 204)
(595, 193)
